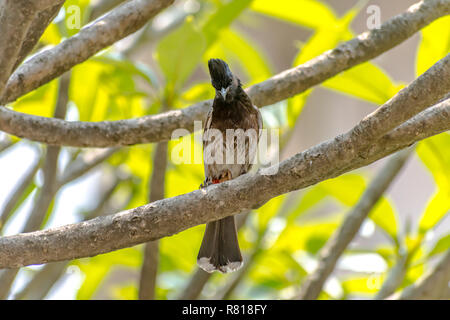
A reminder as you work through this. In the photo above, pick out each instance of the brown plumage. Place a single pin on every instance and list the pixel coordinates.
(226, 155)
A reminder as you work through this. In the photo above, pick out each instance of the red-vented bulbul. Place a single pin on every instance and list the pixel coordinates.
(232, 113)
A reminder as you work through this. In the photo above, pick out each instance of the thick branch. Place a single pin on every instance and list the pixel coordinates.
(169, 216)
(37, 28)
(102, 6)
(50, 168)
(45, 4)
(103, 32)
(15, 20)
(286, 84)
(336, 246)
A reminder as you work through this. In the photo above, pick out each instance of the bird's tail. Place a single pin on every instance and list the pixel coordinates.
(220, 248)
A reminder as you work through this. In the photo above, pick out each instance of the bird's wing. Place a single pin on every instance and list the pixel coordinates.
(260, 121)
(253, 149)
(206, 139)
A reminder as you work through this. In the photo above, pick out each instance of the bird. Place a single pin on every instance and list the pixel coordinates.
(232, 111)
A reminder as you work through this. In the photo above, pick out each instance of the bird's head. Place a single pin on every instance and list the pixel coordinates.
(225, 83)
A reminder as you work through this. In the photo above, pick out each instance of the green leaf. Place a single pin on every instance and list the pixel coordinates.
(295, 107)
(198, 92)
(222, 18)
(130, 67)
(275, 269)
(434, 154)
(310, 198)
(438, 207)
(95, 269)
(68, 28)
(40, 102)
(179, 53)
(367, 82)
(442, 245)
(51, 35)
(308, 13)
(347, 188)
(363, 285)
(325, 38)
(94, 275)
(125, 292)
(384, 216)
(178, 253)
(435, 44)
(307, 236)
(268, 211)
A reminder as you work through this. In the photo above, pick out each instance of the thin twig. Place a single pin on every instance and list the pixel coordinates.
(84, 163)
(17, 193)
(394, 279)
(434, 285)
(336, 246)
(35, 31)
(147, 279)
(49, 188)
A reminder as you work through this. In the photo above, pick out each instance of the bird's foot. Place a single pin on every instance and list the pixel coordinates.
(209, 181)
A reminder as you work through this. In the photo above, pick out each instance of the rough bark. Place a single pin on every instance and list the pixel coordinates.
(103, 32)
(159, 127)
(172, 215)
(15, 19)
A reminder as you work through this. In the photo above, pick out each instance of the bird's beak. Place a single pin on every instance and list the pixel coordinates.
(223, 92)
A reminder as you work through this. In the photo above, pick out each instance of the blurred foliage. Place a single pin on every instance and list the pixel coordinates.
(286, 233)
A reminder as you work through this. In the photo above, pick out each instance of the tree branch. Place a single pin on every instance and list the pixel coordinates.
(50, 169)
(159, 127)
(49, 188)
(35, 31)
(15, 20)
(43, 281)
(147, 280)
(102, 6)
(394, 278)
(17, 193)
(83, 164)
(45, 4)
(169, 216)
(335, 247)
(103, 32)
